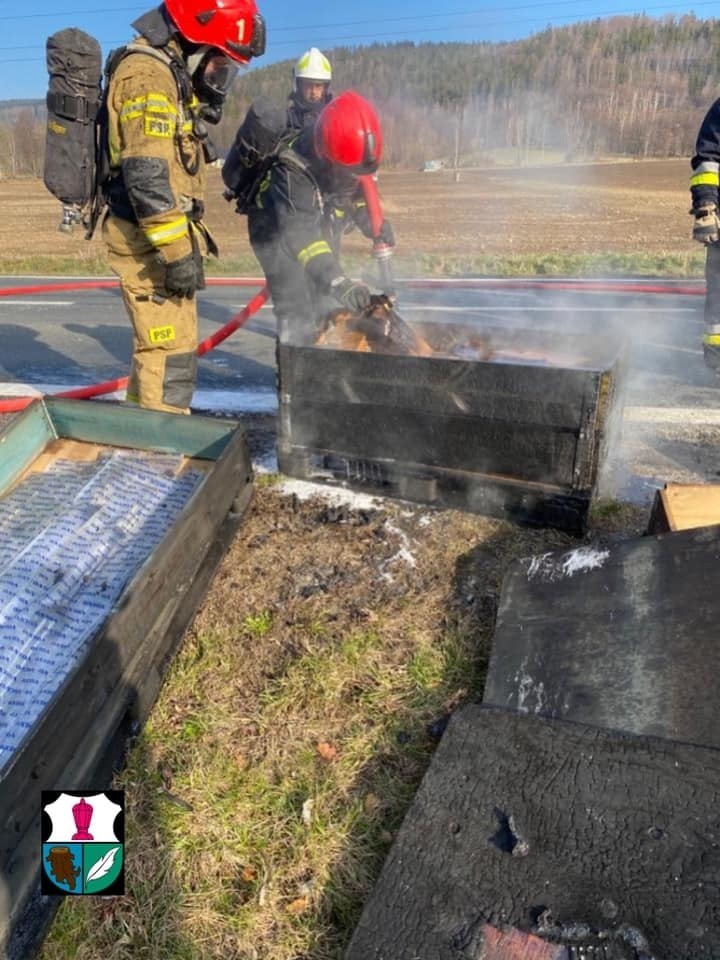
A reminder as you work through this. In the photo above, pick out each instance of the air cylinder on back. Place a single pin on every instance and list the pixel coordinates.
(74, 63)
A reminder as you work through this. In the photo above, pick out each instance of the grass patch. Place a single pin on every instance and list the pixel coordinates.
(92, 265)
(675, 265)
(670, 265)
(297, 777)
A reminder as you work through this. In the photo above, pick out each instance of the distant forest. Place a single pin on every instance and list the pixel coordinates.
(634, 86)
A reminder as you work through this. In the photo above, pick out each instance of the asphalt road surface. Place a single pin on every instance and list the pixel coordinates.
(61, 339)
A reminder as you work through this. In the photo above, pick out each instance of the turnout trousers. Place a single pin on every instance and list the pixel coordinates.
(297, 303)
(163, 370)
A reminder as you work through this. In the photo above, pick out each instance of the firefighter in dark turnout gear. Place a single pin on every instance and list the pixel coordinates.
(287, 226)
(311, 89)
(311, 93)
(705, 191)
(163, 89)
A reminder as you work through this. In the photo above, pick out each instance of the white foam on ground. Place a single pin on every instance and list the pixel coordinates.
(336, 496)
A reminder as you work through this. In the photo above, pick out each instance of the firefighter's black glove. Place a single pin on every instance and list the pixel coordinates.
(181, 277)
(386, 234)
(706, 228)
(353, 295)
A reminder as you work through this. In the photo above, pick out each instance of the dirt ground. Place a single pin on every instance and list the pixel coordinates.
(624, 207)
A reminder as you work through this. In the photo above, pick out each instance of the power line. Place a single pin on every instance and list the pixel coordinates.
(329, 42)
(91, 11)
(420, 17)
(76, 13)
(357, 36)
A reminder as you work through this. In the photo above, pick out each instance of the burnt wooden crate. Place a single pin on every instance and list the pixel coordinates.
(523, 435)
(602, 844)
(82, 735)
(618, 636)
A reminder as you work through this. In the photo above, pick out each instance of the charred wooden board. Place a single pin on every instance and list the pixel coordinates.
(617, 636)
(580, 837)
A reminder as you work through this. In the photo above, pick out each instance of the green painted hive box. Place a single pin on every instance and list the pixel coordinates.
(112, 522)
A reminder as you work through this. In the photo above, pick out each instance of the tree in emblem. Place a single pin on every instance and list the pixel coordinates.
(62, 865)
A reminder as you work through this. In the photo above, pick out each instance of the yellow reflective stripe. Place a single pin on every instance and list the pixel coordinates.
(339, 213)
(168, 232)
(313, 250)
(161, 334)
(712, 339)
(705, 179)
(150, 103)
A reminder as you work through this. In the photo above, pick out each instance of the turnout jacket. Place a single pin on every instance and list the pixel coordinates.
(301, 114)
(290, 210)
(157, 165)
(705, 178)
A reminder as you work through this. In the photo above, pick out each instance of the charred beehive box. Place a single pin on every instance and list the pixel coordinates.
(509, 423)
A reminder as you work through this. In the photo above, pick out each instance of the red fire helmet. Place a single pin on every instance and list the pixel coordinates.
(348, 132)
(233, 26)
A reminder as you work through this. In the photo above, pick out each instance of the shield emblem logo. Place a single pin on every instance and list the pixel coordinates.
(83, 843)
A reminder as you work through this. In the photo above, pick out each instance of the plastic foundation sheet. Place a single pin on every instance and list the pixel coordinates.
(71, 538)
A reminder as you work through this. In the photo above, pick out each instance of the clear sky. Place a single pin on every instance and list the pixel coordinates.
(293, 26)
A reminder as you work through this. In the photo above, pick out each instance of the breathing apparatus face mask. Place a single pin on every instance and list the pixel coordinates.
(212, 75)
(340, 182)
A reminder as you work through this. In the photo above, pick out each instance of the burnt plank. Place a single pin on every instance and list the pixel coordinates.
(545, 455)
(543, 395)
(616, 636)
(523, 502)
(575, 835)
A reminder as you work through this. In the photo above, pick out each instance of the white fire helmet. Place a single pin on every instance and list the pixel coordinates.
(313, 65)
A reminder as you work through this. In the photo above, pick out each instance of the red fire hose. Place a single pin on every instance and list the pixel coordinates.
(382, 251)
(16, 404)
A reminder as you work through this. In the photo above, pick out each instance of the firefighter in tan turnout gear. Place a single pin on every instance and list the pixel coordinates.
(163, 90)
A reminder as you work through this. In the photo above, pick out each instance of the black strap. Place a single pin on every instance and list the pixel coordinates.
(72, 107)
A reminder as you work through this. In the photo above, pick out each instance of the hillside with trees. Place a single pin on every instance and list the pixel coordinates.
(633, 86)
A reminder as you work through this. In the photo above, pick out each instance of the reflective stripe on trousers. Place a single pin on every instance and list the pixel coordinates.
(163, 369)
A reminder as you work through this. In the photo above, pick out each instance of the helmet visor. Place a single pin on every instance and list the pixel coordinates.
(215, 75)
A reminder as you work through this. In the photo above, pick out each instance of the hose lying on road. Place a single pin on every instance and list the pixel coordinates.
(15, 404)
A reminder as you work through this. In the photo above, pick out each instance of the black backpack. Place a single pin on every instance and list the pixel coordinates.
(74, 106)
(77, 158)
(259, 141)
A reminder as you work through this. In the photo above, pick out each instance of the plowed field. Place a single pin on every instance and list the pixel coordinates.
(621, 207)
